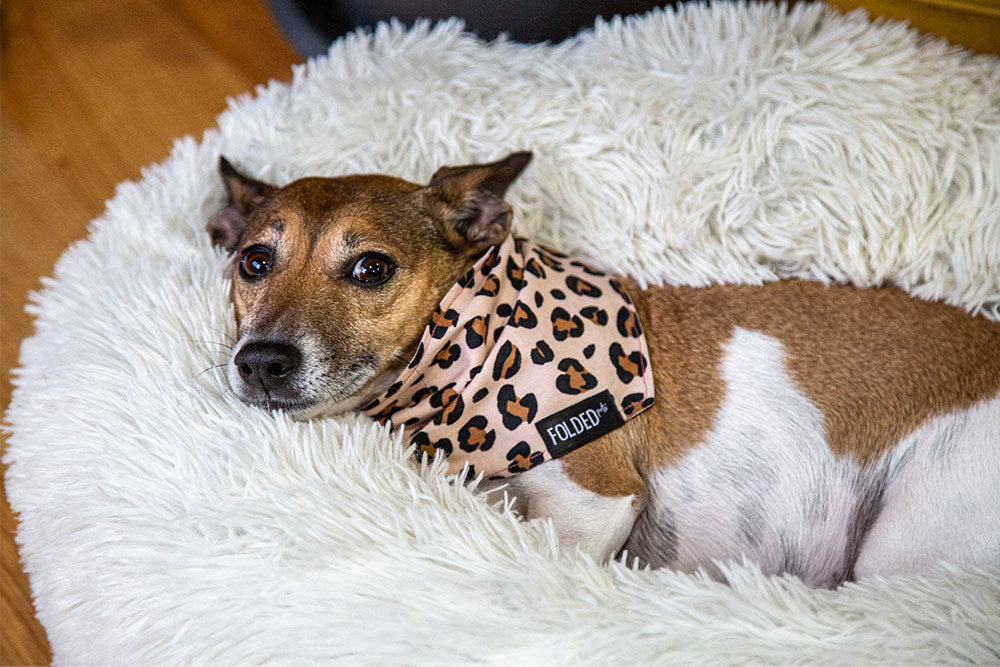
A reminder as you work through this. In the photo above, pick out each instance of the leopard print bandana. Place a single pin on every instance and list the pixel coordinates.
(529, 356)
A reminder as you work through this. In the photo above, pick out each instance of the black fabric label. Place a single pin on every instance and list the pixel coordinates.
(578, 424)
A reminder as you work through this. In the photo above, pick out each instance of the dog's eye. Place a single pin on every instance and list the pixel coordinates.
(255, 262)
(372, 269)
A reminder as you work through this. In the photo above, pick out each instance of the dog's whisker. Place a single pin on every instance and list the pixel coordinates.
(221, 344)
(210, 368)
(226, 389)
(230, 338)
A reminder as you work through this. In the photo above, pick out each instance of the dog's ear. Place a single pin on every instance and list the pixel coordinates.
(244, 195)
(468, 201)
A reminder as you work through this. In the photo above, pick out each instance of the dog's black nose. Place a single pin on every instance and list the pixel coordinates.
(267, 364)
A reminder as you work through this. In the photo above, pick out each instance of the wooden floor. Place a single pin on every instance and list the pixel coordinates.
(92, 90)
(974, 24)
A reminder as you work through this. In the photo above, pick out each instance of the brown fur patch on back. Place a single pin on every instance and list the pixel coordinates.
(877, 363)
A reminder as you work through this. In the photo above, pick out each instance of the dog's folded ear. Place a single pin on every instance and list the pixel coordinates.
(244, 195)
(468, 201)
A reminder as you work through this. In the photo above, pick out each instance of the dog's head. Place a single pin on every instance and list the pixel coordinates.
(335, 279)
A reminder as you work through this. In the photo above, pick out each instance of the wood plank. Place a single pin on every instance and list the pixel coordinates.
(91, 93)
(239, 37)
(983, 7)
(974, 24)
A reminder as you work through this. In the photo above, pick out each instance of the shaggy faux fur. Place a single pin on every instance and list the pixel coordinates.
(164, 521)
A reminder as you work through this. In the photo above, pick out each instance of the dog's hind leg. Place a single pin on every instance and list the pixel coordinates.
(942, 502)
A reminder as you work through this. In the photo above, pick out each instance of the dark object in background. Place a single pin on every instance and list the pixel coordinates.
(312, 24)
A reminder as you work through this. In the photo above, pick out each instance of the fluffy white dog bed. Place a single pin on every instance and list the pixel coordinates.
(164, 521)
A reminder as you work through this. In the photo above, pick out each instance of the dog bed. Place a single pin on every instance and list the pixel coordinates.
(164, 521)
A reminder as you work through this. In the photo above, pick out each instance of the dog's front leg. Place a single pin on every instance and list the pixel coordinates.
(597, 524)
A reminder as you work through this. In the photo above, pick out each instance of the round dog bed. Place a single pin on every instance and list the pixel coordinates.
(164, 521)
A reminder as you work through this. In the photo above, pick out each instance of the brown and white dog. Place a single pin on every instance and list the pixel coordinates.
(827, 432)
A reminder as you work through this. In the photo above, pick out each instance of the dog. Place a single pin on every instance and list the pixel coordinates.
(827, 432)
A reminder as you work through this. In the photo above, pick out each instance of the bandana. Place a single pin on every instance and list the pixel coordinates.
(529, 356)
